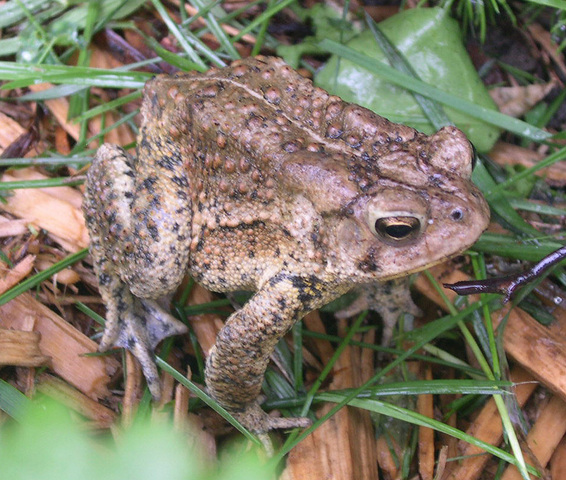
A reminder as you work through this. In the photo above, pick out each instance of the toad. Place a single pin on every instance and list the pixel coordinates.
(250, 178)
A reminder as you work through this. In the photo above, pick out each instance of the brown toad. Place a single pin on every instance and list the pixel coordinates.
(250, 178)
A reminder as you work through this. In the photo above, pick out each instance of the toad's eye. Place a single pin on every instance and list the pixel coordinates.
(397, 230)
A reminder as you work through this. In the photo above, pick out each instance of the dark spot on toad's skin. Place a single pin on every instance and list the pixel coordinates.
(148, 183)
(180, 181)
(169, 162)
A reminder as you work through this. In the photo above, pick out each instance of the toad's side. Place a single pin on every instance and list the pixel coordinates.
(249, 178)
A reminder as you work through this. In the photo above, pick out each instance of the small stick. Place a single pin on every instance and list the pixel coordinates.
(509, 284)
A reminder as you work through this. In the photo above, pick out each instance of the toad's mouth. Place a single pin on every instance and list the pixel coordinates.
(429, 264)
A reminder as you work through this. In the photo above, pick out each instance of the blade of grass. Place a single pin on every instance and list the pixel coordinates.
(12, 401)
(12, 12)
(414, 387)
(559, 4)
(529, 206)
(218, 31)
(111, 105)
(172, 58)
(265, 16)
(23, 75)
(428, 333)
(51, 161)
(499, 203)
(532, 250)
(187, 41)
(415, 418)
(48, 182)
(79, 146)
(205, 398)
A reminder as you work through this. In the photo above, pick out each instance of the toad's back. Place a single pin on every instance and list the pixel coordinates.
(263, 150)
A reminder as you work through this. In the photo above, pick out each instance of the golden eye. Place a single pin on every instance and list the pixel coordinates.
(397, 229)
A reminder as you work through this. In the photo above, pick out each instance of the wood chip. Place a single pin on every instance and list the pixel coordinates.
(67, 395)
(207, 325)
(20, 348)
(13, 276)
(387, 459)
(60, 109)
(543, 37)
(12, 227)
(349, 432)
(190, 425)
(132, 390)
(56, 210)
(544, 436)
(558, 461)
(64, 344)
(313, 322)
(181, 406)
(426, 435)
(536, 347)
(487, 427)
(10, 130)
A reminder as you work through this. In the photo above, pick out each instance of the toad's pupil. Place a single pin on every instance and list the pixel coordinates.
(398, 231)
(397, 228)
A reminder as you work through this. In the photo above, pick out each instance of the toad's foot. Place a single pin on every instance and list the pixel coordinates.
(259, 422)
(139, 329)
(389, 299)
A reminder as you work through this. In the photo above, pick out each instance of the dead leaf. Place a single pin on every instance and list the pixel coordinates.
(516, 101)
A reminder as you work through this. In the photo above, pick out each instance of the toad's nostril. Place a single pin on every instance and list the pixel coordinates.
(457, 214)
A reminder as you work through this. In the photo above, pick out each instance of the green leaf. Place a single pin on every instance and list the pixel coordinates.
(434, 49)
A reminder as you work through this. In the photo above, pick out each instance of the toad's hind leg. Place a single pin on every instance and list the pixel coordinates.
(125, 233)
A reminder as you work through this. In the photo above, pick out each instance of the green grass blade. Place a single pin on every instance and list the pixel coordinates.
(12, 401)
(205, 398)
(23, 75)
(44, 183)
(415, 418)
(12, 12)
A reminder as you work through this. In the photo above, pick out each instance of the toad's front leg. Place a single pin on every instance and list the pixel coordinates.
(236, 365)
